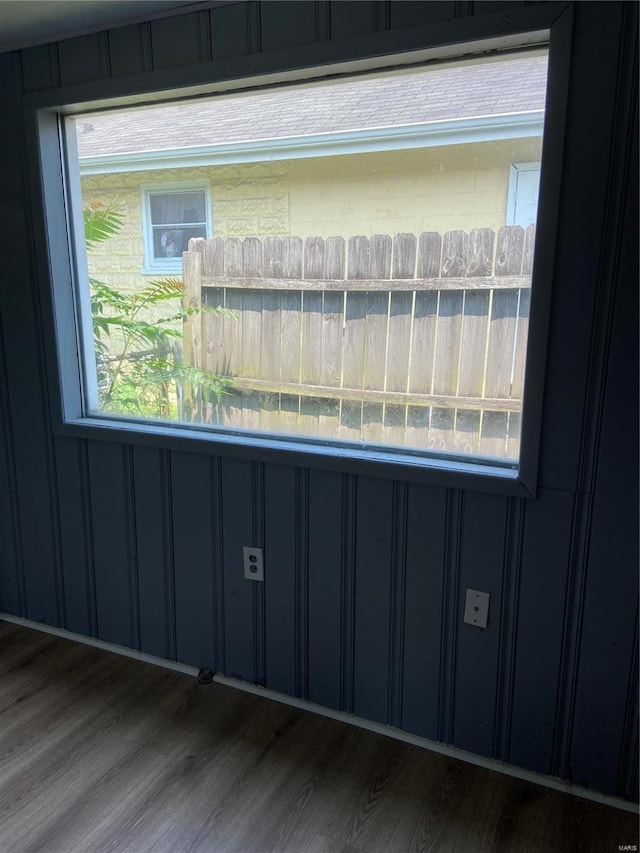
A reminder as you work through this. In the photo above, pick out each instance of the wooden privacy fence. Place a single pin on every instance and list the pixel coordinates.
(409, 340)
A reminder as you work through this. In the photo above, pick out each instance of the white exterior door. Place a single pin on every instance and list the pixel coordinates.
(522, 199)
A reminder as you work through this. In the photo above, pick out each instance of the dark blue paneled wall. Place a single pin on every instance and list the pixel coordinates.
(362, 608)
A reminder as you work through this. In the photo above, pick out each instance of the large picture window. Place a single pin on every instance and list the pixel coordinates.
(364, 285)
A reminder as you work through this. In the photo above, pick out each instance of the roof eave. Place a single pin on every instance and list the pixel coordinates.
(427, 135)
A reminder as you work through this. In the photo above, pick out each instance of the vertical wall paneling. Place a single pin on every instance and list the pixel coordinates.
(193, 559)
(541, 606)
(482, 552)
(87, 526)
(217, 500)
(205, 48)
(348, 577)
(479, 7)
(398, 601)
(150, 558)
(84, 58)
(168, 556)
(257, 515)
(508, 626)
(618, 483)
(237, 530)
(130, 50)
(230, 30)
(407, 13)
(613, 298)
(284, 24)
(352, 17)
(605, 647)
(132, 544)
(323, 20)
(382, 15)
(325, 562)
(465, 8)
(628, 766)
(23, 360)
(281, 572)
(77, 559)
(12, 584)
(423, 611)
(254, 26)
(373, 598)
(362, 603)
(301, 582)
(110, 542)
(179, 40)
(453, 521)
(40, 67)
(570, 652)
(619, 414)
(585, 248)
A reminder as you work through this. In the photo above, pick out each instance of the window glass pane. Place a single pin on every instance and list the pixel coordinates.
(367, 278)
(173, 208)
(172, 242)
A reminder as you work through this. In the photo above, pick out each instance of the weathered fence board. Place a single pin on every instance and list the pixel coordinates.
(354, 339)
(480, 260)
(374, 396)
(448, 338)
(501, 342)
(290, 329)
(421, 345)
(270, 334)
(429, 251)
(397, 357)
(233, 257)
(404, 255)
(375, 349)
(334, 258)
(332, 336)
(513, 282)
(473, 344)
(192, 340)
(314, 258)
(522, 328)
(312, 323)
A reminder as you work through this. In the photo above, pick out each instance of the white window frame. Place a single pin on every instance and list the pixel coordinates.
(164, 266)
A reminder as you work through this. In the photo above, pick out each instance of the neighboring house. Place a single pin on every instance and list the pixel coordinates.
(455, 148)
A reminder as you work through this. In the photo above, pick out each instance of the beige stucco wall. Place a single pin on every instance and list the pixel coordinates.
(431, 189)
(247, 199)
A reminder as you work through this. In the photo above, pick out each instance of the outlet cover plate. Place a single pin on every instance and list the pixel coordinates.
(476, 608)
(253, 563)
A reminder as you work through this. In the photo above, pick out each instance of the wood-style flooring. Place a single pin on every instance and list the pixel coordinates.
(103, 753)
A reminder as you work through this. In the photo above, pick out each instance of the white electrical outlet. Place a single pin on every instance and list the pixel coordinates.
(253, 563)
(476, 608)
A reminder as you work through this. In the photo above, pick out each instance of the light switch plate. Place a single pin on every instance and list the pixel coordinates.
(476, 608)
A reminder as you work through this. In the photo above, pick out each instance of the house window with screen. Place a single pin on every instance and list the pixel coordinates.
(366, 280)
(172, 217)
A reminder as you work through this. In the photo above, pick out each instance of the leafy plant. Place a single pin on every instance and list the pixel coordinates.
(138, 353)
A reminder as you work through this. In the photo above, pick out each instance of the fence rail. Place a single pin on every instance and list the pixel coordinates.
(320, 333)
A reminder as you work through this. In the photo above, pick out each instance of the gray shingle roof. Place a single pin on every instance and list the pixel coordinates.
(465, 91)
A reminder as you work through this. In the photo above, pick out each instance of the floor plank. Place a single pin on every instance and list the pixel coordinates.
(104, 754)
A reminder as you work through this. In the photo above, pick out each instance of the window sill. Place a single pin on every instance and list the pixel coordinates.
(448, 472)
(164, 269)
